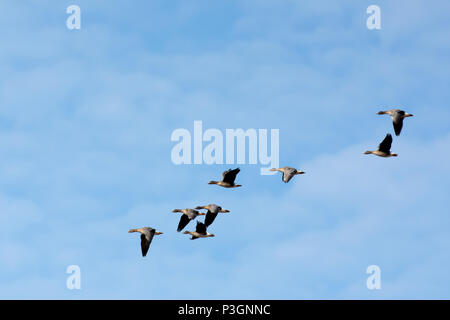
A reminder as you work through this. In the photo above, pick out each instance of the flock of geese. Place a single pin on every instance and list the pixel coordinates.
(228, 181)
(384, 149)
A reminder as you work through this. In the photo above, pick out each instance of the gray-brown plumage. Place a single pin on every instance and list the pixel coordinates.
(147, 235)
(228, 178)
(384, 149)
(186, 217)
(288, 173)
(200, 232)
(397, 116)
(211, 214)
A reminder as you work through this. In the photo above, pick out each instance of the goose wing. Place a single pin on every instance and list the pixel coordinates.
(288, 173)
(385, 145)
(210, 217)
(230, 175)
(184, 220)
(146, 239)
(200, 228)
(191, 213)
(397, 121)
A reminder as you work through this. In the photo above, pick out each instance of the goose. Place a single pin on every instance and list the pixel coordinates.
(397, 118)
(147, 234)
(186, 217)
(288, 173)
(384, 149)
(228, 178)
(200, 232)
(213, 211)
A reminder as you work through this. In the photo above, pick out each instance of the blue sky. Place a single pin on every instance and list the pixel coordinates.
(85, 124)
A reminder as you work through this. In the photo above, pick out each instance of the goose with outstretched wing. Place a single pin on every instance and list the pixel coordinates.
(200, 232)
(384, 149)
(397, 116)
(228, 178)
(186, 217)
(147, 235)
(211, 214)
(288, 173)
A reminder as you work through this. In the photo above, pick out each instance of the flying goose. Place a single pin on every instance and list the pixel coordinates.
(384, 149)
(397, 118)
(186, 217)
(228, 178)
(200, 232)
(213, 211)
(288, 173)
(147, 234)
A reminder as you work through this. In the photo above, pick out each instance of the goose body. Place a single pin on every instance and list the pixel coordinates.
(147, 235)
(228, 178)
(288, 173)
(186, 217)
(200, 232)
(397, 116)
(211, 214)
(384, 149)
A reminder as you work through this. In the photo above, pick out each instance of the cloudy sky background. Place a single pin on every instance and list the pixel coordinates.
(85, 124)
